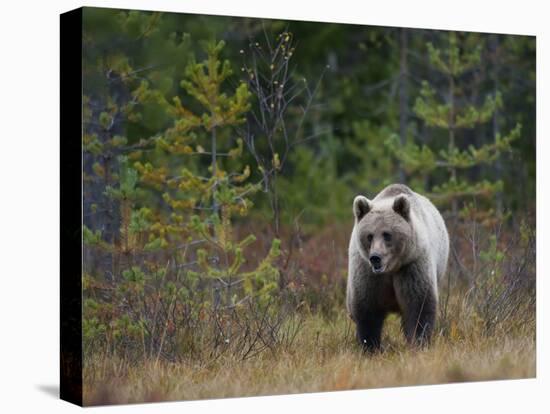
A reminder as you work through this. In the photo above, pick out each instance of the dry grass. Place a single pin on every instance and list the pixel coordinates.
(324, 358)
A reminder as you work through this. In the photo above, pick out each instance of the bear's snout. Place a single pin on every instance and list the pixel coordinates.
(376, 262)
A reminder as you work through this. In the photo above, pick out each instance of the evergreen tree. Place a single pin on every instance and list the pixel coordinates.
(453, 109)
(118, 49)
(201, 204)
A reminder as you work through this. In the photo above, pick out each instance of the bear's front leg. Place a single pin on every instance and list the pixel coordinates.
(419, 320)
(418, 302)
(369, 330)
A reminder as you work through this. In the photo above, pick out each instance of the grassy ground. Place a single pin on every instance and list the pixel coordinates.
(485, 331)
(323, 357)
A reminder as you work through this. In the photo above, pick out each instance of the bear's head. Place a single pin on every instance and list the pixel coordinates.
(384, 232)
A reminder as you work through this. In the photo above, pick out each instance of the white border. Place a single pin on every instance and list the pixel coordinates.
(29, 223)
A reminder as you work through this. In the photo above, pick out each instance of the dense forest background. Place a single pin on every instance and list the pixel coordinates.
(222, 156)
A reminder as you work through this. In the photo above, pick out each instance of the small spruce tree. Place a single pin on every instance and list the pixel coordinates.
(202, 203)
(450, 109)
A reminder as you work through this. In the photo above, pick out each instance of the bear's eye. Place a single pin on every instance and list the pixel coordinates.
(386, 236)
(369, 238)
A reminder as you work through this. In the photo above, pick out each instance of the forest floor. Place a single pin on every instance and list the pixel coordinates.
(323, 358)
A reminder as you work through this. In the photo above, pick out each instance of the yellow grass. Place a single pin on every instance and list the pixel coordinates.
(324, 358)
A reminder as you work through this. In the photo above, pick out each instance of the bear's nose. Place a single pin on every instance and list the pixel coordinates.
(376, 261)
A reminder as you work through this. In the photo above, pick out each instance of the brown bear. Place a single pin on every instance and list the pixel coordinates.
(397, 253)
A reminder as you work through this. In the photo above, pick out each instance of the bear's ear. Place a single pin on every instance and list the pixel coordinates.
(361, 206)
(402, 206)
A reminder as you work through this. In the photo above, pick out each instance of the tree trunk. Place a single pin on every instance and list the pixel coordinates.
(403, 95)
(452, 170)
(496, 129)
(215, 206)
